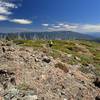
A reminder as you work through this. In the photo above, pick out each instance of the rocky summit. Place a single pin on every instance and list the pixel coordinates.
(40, 72)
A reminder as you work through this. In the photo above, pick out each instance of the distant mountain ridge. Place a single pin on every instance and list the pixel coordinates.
(54, 35)
(97, 34)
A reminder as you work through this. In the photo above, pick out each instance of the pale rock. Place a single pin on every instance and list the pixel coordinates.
(1, 98)
(65, 99)
(77, 58)
(69, 55)
(31, 97)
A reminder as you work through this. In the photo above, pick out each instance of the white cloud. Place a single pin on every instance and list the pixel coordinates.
(21, 21)
(69, 27)
(56, 26)
(3, 18)
(5, 7)
(75, 27)
(46, 25)
(91, 28)
(63, 27)
(18, 21)
(3, 10)
(61, 24)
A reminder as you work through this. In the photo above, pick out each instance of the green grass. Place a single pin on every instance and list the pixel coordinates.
(55, 54)
(30, 43)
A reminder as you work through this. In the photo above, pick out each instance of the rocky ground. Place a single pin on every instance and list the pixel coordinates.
(31, 74)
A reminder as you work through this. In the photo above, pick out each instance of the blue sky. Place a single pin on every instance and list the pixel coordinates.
(50, 15)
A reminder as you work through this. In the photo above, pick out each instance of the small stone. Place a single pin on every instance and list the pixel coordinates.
(69, 55)
(77, 58)
(65, 99)
(3, 49)
(46, 59)
(43, 77)
(34, 97)
(36, 60)
(97, 82)
(31, 97)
